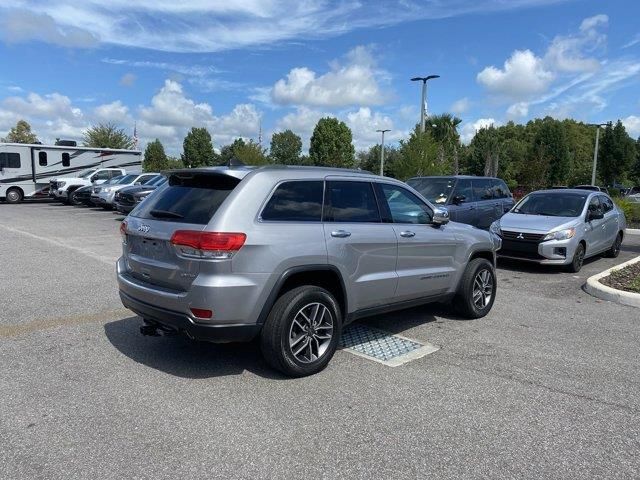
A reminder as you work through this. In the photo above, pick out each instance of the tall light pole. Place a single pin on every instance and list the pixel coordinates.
(595, 151)
(382, 151)
(423, 108)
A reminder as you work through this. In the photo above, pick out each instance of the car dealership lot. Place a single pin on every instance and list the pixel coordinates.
(546, 385)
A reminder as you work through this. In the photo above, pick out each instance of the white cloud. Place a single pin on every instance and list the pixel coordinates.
(114, 112)
(632, 124)
(523, 75)
(569, 53)
(351, 83)
(170, 107)
(21, 25)
(460, 106)
(302, 122)
(469, 129)
(520, 109)
(243, 121)
(128, 79)
(209, 26)
(364, 123)
(634, 41)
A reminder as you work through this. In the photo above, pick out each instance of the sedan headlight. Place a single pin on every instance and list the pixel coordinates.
(107, 189)
(61, 184)
(495, 227)
(560, 235)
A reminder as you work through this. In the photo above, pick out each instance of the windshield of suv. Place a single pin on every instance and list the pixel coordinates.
(435, 189)
(86, 173)
(552, 205)
(187, 199)
(157, 181)
(127, 179)
(114, 180)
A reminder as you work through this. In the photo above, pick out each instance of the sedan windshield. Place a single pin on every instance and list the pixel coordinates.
(157, 181)
(434, 189)
(552, 205)
(114, 180)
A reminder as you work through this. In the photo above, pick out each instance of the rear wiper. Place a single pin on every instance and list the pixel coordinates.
(165, 214)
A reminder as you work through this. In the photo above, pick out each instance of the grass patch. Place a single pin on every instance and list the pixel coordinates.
(627, 278)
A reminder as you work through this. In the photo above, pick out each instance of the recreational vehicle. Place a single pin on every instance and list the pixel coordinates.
(26, 169)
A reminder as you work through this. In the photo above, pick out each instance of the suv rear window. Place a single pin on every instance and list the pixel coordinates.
(295, 202)
(189, 199)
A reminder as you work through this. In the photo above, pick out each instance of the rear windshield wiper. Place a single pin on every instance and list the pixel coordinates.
(165, 214)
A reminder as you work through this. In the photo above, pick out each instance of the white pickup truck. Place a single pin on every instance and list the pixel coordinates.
(62, 187)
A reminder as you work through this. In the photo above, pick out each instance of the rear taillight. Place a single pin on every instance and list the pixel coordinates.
(201, 313)
(193, 243)
(123, 232)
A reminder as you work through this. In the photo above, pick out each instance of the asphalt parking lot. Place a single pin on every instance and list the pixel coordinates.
(547, 385)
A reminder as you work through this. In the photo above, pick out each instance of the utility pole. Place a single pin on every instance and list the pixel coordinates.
(595, 151)
(423, 107)
(382, 151)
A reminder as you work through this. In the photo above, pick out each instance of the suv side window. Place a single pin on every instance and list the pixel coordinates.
(115, 173)
(463, 193)
(482, 189)
(500, 189)
(295, 202)
(352, 202)
(594, 204)
(403, 206)
(607, 204)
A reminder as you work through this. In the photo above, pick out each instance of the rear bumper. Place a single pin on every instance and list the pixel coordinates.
(182, 323)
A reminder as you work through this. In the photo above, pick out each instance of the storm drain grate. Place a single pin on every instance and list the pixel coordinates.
(374, 344)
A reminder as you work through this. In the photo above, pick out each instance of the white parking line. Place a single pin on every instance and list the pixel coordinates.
(105, 260)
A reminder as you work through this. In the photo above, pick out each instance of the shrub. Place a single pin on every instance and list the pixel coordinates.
(630, 209)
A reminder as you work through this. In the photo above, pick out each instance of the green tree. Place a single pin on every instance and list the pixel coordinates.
(21, 133)
(551, 147)
(250, 153)
(107, 135)
(418, 156)
(198, 149)
(484, 152)
(331, 144)
(155, 160)
(636, 169)
(444, 129)
(369, 160)
(617, 154)
(286, 148)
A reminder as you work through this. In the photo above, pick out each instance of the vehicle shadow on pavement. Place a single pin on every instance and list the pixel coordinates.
(535, 268)
(179, 356)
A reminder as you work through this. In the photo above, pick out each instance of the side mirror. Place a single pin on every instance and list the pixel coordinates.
(458, 199)
(440, 216)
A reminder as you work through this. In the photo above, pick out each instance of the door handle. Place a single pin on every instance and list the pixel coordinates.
(340, 234)
(407, 234)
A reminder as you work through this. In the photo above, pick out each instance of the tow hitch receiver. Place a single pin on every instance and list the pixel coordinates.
(152, 329)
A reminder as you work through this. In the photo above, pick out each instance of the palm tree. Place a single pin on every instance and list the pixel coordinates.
(444, 129)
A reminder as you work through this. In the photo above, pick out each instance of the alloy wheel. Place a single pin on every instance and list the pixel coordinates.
(482, 288)
(311, 332)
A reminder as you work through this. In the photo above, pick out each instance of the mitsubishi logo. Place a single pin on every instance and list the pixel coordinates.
(520, 236)
(144, 228)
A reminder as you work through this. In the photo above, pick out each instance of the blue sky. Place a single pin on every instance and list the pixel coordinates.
(236, 66)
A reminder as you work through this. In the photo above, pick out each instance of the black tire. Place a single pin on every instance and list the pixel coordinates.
(14, 195)
(614, 251)
(275, 338)
(73, 200)
(578, 260)
(465, 302)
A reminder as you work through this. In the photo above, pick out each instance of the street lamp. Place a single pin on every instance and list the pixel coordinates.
(382, 151)
(595, 151)
(423, 108)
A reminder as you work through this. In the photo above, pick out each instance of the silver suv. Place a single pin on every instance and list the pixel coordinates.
(292, 254)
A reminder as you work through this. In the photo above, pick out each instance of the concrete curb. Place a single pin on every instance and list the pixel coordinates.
(633, 231)
(597, 289)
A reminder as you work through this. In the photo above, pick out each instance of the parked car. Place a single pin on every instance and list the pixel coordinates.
(561, 227)
(292, 254)
(593, 188)
(61, 188)
(477, 201)
(126, 199)
(82, 196)
(103, 196)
